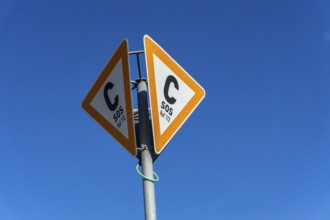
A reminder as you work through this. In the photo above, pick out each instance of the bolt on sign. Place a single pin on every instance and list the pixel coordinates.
(109, 101)
(174, 94)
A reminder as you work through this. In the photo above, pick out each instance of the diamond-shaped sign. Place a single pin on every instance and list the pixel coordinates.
(174, 94)
(109, 101)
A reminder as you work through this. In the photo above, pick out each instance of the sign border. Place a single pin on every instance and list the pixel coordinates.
(160, 141)
(120, 53)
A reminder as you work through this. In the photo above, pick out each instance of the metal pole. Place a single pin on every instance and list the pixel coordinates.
(146, 159)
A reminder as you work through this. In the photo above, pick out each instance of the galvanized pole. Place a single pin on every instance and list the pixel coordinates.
(146, 158)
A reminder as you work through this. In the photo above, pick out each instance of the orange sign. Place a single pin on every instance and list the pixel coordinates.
(174, 94)
(109, 101)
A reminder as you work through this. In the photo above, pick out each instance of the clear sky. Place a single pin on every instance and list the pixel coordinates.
(256, 148)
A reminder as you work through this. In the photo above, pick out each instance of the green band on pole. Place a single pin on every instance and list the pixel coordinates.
(145, 177)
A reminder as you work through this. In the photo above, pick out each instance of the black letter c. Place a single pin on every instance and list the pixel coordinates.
(111, 106)
(170, 79)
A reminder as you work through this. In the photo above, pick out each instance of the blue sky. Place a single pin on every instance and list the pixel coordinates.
(257, 147)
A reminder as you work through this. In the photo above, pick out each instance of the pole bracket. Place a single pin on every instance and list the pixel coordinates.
(140, 150)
